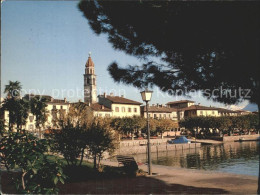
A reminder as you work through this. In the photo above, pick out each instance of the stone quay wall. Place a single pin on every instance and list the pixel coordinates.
(162, 147)
(236, 138)
(130, 143)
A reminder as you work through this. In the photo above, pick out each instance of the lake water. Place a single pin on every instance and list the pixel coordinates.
(235, 157)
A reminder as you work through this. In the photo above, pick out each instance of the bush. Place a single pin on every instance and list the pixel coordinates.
(71, 142)
(24, 151)
(100, 139)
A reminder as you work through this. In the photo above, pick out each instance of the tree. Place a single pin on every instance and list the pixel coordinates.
(223, 124)
(152, 127)
(13, 89)
(128, 125)
(217, 54)
(138, 124)
(100, 139)
(79, 114)
(17, 108)
(163, 125)
(254, 121)
(38, 109)
(71, 142)
(24, 151)
(18, 111)
(193, 51)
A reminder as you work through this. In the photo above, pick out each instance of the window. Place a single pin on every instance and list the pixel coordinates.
(123, 109)
(107, 115)
(94, 81)
(149, 115)
(61, 107)
(155, 115)
(88, 80)
(54, 107)
(135, 109)
(129, 110)
(117, 109)
(31, 118)
(213, 112)
(201, 112)
(160, 115)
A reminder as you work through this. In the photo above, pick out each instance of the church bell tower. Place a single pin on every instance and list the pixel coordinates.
(90, 88)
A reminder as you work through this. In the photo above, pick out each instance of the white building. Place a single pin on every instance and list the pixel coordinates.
(160, 112)
(120, 106)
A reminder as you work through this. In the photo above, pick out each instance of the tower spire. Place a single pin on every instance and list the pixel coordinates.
(90, 89)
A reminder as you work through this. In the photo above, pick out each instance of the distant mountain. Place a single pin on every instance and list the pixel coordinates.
(251, 107)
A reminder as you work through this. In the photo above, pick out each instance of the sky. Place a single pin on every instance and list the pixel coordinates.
(45, 46)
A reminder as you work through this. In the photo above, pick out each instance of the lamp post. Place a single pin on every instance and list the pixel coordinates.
(146, 96)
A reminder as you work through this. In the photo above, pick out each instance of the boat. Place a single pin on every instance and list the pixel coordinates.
(180, 140)
(241, 139)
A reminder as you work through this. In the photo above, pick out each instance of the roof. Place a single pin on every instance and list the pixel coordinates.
(121, 100)
(58, 101)
(158, 109)
(100, 107)
(179, 102)
(226, 110)
(198, 107)
(89, 63)
(49, 99)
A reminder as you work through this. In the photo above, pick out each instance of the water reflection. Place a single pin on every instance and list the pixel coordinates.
(235, 157)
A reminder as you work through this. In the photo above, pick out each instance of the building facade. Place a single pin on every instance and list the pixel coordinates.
(198, 110)
(160, 112)
(120, 106)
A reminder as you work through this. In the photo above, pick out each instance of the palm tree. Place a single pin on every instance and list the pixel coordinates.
(38, 109)
(18, 111)
(13, 89)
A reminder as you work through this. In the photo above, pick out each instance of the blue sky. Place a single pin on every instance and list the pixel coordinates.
(45, 46)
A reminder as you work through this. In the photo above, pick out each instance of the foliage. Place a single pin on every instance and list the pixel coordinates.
(163, 125)
(157, 32)
(23, 151)
(70, 142)
(128, 125)
(2, 126)
(79, 114)
(18, 111)
(100, 139)
(38, 109)
(135, 124)
(203, 124)
(13, 89)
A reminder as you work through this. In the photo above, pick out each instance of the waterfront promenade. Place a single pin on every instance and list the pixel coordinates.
(180, 180)
(168, 180)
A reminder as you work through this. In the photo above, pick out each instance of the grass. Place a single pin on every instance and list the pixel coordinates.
(86, 171)
(64, 163)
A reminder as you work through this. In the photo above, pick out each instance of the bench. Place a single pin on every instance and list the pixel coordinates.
(126, 161)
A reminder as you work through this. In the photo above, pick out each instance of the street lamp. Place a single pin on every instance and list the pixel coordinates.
(146, 96)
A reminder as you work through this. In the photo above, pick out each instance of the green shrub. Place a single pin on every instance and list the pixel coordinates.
(23, 151)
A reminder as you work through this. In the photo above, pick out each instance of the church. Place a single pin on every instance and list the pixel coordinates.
(106, 105)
